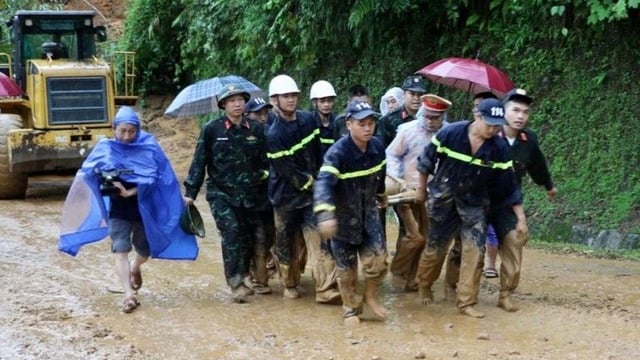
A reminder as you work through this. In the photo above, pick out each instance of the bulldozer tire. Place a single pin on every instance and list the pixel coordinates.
(12, 185)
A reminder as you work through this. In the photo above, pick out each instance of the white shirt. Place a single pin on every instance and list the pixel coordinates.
(403, 152)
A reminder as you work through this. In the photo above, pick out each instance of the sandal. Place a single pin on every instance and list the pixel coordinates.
(136, 280)
(490, 273)
(129, 304)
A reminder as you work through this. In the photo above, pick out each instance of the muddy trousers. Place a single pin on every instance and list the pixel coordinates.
(413, 225)
(444, 224)
(264, 236)
(236, 231)
(510, 252)
(374, 267)
(296, 235)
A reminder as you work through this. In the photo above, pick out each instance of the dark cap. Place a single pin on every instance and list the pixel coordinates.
(359, 110)
(492, 111)
(229, 91)
(519, 95)
(256, 104)
(415, 83)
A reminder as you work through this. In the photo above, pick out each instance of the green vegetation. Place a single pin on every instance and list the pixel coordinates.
(578, 58)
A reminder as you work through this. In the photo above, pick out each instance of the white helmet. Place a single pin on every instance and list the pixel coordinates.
(321, 89)
(282, 84)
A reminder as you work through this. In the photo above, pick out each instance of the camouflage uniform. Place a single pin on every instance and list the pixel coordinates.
(234, 159)
(294, 151)
(347, 187)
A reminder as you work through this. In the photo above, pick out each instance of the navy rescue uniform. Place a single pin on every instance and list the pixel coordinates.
(295, 154)
(459, 197)
(348, 185)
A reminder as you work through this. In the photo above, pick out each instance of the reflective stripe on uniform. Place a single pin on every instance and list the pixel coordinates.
(295, 147)
(324, 207)
(327, 140)
(469, 159)
(353, 174)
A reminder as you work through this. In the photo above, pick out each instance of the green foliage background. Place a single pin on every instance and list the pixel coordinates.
(579, 58)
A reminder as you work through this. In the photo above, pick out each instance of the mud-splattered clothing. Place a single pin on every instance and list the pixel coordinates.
(234, 158)
(402, 161)
(295, 154)
(346, 190)
(458, 201)
(348, 184)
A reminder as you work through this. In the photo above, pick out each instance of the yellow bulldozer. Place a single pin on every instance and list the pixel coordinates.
(57, 98)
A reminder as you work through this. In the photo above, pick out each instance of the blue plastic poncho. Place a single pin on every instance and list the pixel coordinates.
(85, 211)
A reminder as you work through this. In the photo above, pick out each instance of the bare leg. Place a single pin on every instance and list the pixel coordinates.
(370, 293)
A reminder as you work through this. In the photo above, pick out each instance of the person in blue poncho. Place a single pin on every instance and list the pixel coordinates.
(126, 189)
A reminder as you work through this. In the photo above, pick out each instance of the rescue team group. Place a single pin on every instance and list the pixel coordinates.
(310, 186)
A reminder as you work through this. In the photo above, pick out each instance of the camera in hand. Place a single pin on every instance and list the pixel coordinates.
(108, 177)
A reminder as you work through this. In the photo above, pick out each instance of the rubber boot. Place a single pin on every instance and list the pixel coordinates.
(506, 301)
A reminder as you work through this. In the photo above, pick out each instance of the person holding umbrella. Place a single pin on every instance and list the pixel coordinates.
(468, 162)
(231, 151)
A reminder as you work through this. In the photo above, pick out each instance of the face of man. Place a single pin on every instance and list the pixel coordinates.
(485, 130)
(432, 120)
(412, 100)
(288, 103)
(361, 130)
(392, 103)
(325, 105)
(516, 114)
(125, 133)
(234, 105)
(261, 115)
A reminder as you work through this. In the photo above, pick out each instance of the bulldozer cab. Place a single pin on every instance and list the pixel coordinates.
(66, 96)
(51, 35)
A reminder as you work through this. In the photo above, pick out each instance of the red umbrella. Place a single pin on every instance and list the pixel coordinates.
(8, 87)
(468, 74)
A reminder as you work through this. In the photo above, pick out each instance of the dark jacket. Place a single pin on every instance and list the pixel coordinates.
(347, 187)
(465, 177)
(295, 156)
(327, 133)
(234, 158)
(528, 158)
(388, 125)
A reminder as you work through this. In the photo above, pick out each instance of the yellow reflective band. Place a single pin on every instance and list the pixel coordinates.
(327, 141)
(265, 174)
(354, 174)
(295, 147)
(324, 207)
(308, 184)
(469, 159)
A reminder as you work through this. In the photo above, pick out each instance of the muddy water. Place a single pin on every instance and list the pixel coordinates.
(53, 306)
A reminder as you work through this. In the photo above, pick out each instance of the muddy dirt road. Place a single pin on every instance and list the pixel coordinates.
(53, 306)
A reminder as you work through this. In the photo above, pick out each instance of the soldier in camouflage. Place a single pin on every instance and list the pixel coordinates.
(232, 151)
(414, 87)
